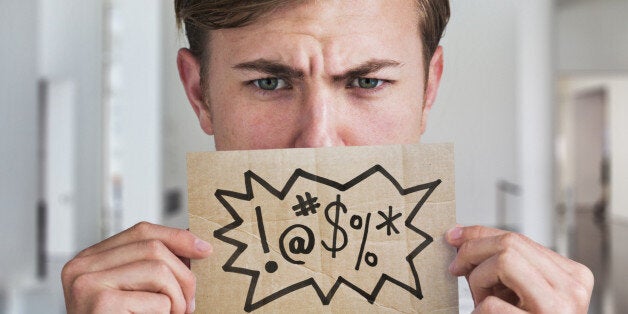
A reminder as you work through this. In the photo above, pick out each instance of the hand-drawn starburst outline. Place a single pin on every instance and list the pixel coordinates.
(325, 298)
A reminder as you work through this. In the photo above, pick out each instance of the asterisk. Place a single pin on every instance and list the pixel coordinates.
(389, 221)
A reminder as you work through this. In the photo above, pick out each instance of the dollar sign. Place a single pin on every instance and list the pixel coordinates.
(338, 205)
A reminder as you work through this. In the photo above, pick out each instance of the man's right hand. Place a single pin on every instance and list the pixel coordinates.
(138, 270)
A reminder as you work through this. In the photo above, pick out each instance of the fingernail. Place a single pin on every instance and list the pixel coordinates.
(455, 233)
(451, 267)
(192, 305)
(202, 246)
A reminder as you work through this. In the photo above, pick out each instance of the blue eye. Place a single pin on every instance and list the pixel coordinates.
(366, 82)
(270, 83)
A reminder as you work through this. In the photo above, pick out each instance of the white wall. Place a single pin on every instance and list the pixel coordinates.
(535, 118)
(135, 109)
(591, 36)
(618, 118)
(181, 130)
(70, 48)
(18, 141)
(50, 39)
(475, 108)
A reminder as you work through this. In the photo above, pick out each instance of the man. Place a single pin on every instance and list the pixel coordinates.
(280, 74)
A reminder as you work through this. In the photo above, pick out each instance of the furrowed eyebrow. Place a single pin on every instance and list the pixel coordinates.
(367, 68)
(283, 71)
(271, 68)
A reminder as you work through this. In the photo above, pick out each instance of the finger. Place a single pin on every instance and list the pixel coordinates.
(474, 252)
(496, 305)
(180, 242)
(512, 271)
(117, 301)
(460, 235)
(146, 302)
(148, 276)
(138, 251)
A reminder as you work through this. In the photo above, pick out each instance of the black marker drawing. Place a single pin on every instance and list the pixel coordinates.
(302, 240)
(297, 245)
(306, 206)
(338, 206)
(271, 266)
(389, 221)
(366, 233)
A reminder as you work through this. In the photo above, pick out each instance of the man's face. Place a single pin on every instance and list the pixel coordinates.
(318, 74)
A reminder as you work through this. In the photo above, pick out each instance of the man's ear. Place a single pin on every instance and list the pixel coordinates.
(433, 81)
(190, 74)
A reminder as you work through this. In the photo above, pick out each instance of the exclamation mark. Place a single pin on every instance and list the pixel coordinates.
(271, 266)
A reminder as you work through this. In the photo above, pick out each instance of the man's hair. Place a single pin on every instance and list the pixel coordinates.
(202, 16)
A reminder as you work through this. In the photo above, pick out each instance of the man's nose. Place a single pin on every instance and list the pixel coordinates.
(319, 121)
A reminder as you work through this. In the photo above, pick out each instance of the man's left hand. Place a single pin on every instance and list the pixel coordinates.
(509, 273)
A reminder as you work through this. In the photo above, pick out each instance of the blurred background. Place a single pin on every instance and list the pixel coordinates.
(94, 128)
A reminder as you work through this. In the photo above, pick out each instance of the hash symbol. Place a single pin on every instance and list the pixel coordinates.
(306, 206)
(389, 221)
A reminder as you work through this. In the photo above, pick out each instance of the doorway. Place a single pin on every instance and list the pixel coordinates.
(591, 123)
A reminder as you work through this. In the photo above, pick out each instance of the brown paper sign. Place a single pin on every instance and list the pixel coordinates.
(335, 230)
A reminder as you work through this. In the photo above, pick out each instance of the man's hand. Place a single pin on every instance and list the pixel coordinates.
(137, 270)
(509, 273)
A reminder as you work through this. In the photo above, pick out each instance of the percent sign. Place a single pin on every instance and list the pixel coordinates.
(370, 258)
(356, 223)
